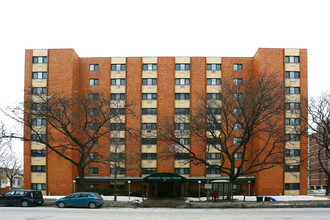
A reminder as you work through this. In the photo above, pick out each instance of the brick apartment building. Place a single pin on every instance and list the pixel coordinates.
(62, 71)
(316, 176)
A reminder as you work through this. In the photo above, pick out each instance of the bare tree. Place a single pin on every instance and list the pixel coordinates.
(241, 128)
(319, 126)
(69, 126)
(11, 166)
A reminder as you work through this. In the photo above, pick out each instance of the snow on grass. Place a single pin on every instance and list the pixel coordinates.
(277, 198)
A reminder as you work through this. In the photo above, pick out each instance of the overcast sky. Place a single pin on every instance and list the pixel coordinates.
(97, 28)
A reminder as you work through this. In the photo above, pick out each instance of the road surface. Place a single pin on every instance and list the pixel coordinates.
(53, 213)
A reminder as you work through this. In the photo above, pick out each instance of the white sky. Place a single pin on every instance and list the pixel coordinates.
(96, 28)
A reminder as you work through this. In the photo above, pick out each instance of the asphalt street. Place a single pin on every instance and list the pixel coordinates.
(53, 213)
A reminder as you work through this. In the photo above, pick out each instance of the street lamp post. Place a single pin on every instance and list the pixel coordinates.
(74, 186)
(129, 189)
(199, 190)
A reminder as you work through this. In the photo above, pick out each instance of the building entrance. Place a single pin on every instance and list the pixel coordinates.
(164, 184)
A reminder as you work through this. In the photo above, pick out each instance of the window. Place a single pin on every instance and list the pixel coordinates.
(182, 111)
(238, 111)
(213, 82)
(38, 122)
(117, 82)
(213, 141)
(183, 81)
(213, 156)
(38, 106)
(181, 156)
(238, 67)
(292, 168)
(213, 96)
(39, 60)
(181, 171)
(93, 170)
(238, 96)
(119, 141)
(213, 111)
(93, 186)
(149, 111)
(93, 82)
(117, 156)
(38, 186)
(292, 75)
(292, 59)
(292, 186)
(238, 126)
(292, 106)
(93, 141)
(117, 96)
(149, 67)
(93, 67)
(93, 111)
(238, 156)
(237, 140)
(93, 156)
(39, 90)
(117, 67)
(39, 75)
(292, 90)
(39, 138)
(117, 111)
(149, 82)
(149, 170)
(149, 141)
(93, 96)
(118, 126)
(237, 186)
(292, 152)
(292, 137)
(213, 126)
(149, 96)
(182, 126)
(182, 96)
(38, 169)
(292, 121)
(117, 170)
(182, 141)
(238, 81)
(238, 170)
(149, 126)
(213, 66)
(38, 153)
(93, 126)
(212, 170)
(149, 156)
(182, 66)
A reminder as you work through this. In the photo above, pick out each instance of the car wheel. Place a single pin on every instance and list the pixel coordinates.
(61, 205)
(92, 205)
(25, 203)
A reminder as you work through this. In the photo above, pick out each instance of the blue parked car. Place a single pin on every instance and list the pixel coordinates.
(81, 199)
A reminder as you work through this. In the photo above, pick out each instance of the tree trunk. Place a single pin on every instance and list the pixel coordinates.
(115, 187)
(81, 179)
(328, 185)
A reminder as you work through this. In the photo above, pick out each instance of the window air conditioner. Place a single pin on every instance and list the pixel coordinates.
(291, 142)
(117, 87)
(181, 86)
(148, 146)
(213, 161)
(39, 80)
(38, 158)
(149, 71)
(38, 174)
(118, 71)
(182, 101)
(182, 71)
(292, 80)
(182, 161)
(292, 64)
(149, 131)
(213, 71)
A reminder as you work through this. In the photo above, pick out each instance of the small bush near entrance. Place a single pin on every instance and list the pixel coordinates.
(194, 192)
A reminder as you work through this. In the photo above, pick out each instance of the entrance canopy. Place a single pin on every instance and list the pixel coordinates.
(164, 177)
